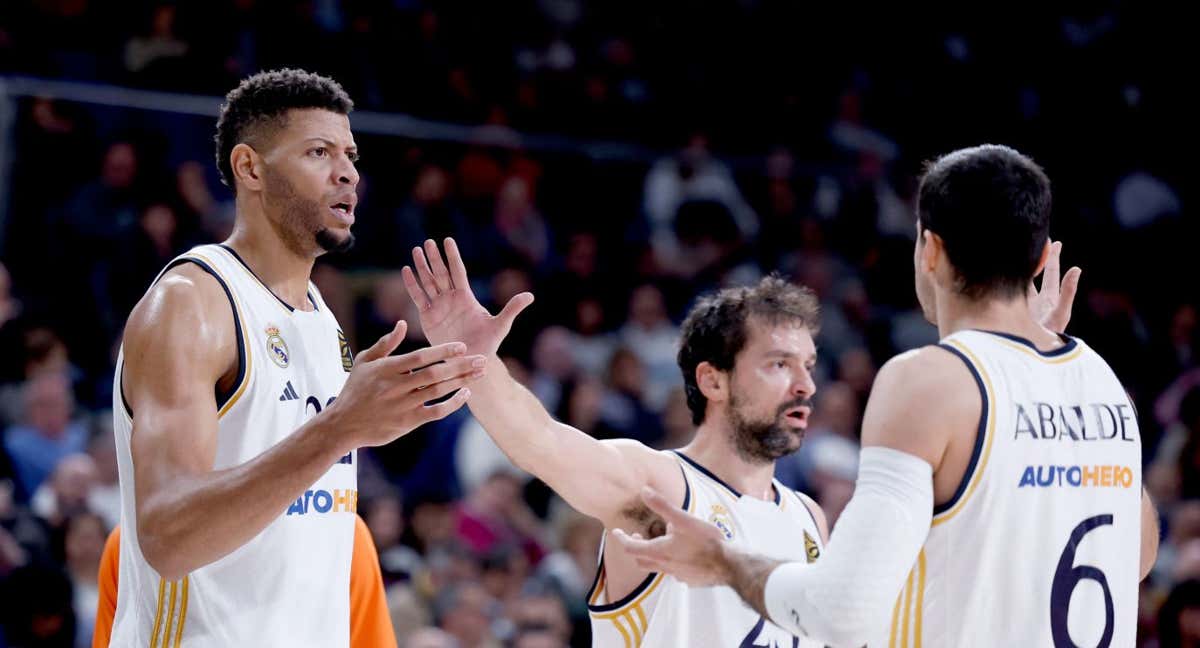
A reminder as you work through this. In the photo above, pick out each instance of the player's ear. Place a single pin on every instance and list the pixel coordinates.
(931, 250)
(1041, 265)
(247, 167)
(713, 382)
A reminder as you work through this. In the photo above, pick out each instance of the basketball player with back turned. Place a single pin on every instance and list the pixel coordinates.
(238, 407)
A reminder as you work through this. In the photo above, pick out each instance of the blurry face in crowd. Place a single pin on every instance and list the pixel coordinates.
(386, 521)
(85, 540)
(771, 387)
(309, 182)
(48, 405)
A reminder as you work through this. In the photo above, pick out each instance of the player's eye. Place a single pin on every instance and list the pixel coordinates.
(319, 151)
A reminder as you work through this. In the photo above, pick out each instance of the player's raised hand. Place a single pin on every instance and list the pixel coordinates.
(448, 308)
(690, 550)
(1051, 306)
(385, 396)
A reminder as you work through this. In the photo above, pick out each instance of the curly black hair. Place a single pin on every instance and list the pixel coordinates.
(715, 329)
(259, 106)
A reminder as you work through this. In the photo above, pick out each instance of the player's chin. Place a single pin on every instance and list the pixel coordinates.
(335, 239)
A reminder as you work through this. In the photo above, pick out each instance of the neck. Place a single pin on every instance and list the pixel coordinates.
(956, 313)
(283, 271)
(713, 448)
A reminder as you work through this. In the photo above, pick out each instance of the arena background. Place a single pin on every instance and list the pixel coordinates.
(618, 158)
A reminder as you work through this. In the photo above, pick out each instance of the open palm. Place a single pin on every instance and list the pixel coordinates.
(449, 311)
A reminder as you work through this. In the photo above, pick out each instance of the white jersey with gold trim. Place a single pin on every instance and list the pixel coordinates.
(1040, 544)
(288, 586)
(663, 612)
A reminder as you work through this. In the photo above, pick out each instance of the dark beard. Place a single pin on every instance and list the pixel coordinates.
(763, 441)
(300, 220)
(330, 243)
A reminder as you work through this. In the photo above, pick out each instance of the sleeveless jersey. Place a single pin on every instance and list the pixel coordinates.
(1040, 544)
(289, 585)
(662, 611)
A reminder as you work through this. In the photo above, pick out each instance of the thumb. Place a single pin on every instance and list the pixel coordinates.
(518, 303)
(386, 344)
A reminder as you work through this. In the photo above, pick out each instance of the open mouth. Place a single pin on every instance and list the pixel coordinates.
(798, 416)
(344, 211)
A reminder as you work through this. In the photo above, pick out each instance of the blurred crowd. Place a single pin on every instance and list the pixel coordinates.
(773, 137)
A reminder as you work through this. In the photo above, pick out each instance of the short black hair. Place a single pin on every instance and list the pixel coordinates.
(715, 329)
(991, 207)
(260, 103)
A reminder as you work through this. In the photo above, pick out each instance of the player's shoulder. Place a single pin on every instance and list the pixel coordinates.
(186, 308)
(928, 370)
(919, 399)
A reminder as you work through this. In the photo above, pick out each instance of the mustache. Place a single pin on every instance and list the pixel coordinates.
(797, 402)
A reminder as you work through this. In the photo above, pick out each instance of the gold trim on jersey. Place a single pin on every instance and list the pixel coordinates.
(989, 432)
(637, 625)
(182, 613)
(625, 609)
(176, 595)
(914, 590)
(162, 587)
(1075, 353)
(246, 345)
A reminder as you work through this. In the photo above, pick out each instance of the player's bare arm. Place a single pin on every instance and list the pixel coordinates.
(180, 342)
(601, 479)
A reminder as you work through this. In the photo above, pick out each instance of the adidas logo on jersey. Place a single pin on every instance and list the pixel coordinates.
(289, 393)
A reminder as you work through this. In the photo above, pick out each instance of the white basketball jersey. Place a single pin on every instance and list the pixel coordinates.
(1040, 544)
(289, 586)
(663, 612)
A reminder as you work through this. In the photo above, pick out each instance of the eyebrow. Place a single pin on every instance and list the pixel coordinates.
(788, 355)
(352, 148)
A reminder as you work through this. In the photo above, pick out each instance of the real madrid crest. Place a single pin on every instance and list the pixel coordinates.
(720, 517)
(277, 348)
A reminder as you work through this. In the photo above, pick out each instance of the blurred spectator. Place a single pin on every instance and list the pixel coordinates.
(593, 345)
(537, 612)
(494, 515)
(432, 638)
(521, 227)
(385, 517)
(677, 421)
(623, 406)
(67, 492)
(553, 365)
(48, 433)
(466, 612)
(654, 339)
(105, 497)
(573, 566)
(1179, 618)
(37, 608)
(693, 185)
(83, 545)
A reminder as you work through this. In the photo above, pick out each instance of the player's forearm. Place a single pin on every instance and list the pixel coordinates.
(192, 521)
(747, 575)
(514, 418)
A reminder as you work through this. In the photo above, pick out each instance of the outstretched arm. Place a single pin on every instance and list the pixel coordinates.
(601, 479)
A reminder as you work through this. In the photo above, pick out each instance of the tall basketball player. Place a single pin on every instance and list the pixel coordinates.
(747, 356)
(999, 498)
(239, 408)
